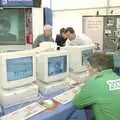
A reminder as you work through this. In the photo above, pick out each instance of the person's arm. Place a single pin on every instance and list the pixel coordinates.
(57, 40)
(84, 97)
(37, 41)
(36, 44)
(67, 43)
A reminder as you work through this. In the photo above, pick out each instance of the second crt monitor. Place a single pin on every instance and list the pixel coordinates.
(52, 66)
(78, 57)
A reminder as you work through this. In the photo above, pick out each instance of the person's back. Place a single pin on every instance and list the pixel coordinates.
(106, 94)
(82, 39)
(61, 38)
(74, 39)
(102, 93)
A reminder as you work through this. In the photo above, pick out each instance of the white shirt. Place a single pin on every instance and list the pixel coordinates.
(82, 39)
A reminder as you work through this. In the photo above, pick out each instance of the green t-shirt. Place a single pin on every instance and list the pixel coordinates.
(42, 38)
(102, 93)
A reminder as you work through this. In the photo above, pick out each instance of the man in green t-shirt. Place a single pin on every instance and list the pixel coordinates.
(102, 89)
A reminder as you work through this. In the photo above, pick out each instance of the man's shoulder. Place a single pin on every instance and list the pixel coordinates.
(95, 78)
(104, 75)
(84, 37)
(40, 37)
(58, 36)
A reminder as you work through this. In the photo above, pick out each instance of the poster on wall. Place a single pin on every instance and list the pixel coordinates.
(16, 3)
(93, 28)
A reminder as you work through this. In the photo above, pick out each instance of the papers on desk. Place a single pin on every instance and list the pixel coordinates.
(67, 96)
(25, 112)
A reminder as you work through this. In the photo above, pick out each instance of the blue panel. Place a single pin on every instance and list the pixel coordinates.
(48, 16)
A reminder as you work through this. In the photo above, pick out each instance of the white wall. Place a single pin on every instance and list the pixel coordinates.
(37, 18)
(76, 4)
(114, 2)
(46, 3)
(72, 18)
(69, 12)
(67, 19)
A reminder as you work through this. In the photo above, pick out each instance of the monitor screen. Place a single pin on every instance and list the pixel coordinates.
(14, 3)
(85, 54)
(12, 26)
(57, 65)
(19, 68)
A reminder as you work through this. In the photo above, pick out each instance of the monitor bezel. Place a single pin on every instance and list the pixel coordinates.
(3, 69)
(45, 56)
(75, 56)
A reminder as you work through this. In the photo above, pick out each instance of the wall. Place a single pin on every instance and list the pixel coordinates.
(70, 12)
(93, 27)
(76, 4)
(37, 19)
(66, 19)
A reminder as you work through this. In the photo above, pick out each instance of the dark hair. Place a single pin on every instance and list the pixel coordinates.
(101, 60)
(69, 29)
(62, 30)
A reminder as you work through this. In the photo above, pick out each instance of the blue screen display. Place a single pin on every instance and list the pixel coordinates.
(14, 3)
(85, 56)
(57, 65)
(19, 68)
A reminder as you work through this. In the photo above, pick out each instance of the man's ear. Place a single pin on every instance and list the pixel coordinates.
(95, 70)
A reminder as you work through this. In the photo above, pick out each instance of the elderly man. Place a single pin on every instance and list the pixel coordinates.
(46, 36)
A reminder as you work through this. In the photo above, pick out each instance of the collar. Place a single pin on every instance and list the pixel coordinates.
(99, 74)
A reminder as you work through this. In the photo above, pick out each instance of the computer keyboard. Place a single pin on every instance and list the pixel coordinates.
(25, 112)
(67, 96)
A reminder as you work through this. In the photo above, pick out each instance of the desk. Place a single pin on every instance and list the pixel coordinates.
(61, 112)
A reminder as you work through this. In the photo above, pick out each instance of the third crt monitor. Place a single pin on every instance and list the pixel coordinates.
(78, 57)
(52, 66)
(17, 68)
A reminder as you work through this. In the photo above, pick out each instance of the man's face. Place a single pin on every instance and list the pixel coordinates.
(91, 70)
(69, 35)
(64, 35)
(48, 32)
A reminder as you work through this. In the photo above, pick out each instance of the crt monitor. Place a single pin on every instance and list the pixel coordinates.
(78, 56)
(14, 25)
(52, 66)
(17, 68)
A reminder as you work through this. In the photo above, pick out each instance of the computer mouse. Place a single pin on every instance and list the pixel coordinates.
(49, 103)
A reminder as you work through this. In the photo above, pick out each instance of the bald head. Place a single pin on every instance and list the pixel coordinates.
(48, 30)
(47, 27)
